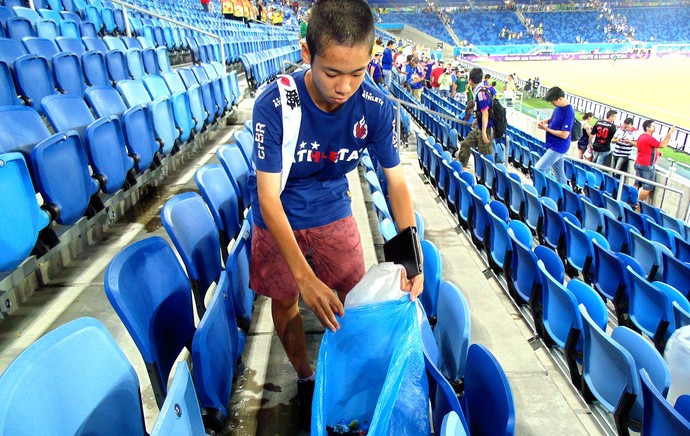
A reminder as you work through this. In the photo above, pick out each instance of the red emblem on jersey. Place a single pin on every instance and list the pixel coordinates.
(285, 81)
(360, 129)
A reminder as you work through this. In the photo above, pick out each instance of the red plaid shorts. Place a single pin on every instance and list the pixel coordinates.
(336, 252)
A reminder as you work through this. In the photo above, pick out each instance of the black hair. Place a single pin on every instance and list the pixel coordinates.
(628, 120)
(611, 113)
(493, 83)
(476, 75)
(346, 23)
(554, 94)
(487, 76)
(390, 42)
(646, 124)
(587, 115)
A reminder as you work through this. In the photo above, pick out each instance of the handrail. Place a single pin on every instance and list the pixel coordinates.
(624, 174)
(126, 6)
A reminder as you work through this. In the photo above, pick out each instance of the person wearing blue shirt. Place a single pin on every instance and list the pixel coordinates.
(415, 78)
(342, 115)
(558, 130)
(387, 63)
(481, 137)
(375, 70)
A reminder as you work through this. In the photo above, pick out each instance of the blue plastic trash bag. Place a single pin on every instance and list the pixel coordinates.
(372, 370)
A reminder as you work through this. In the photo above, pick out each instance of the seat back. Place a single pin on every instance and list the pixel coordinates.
(134, 92)
(94, 43)
(216, 346)
(41, 47)
(71, 45)
(105, 146)
(95, 71)
(232, 160)
(195, 236)
(8, 93)
(135, 63)
(646, 253)
(21, 128)
(500, 243)
(488, 401)
(618, 234)
(608, 368)
(180, 413)
(34, 80)
(22, 218)
(553, 226)
(68, 73)
(443, 398)
(116, 63)
(151, 294)
(68, 112)
(609, 273)
(560, 307)
(245, 140)
(452, 425)
(676, 273)
(62, 176)
(432, 277)
(659, 416)
(105, 101)
(452, 331)
(79, 361)
(649, 306)
(220, 196)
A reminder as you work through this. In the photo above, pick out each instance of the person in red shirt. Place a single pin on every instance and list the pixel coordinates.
(647, 154)
(435, 74)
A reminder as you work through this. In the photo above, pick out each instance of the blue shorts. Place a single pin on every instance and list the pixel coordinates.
(646, 172)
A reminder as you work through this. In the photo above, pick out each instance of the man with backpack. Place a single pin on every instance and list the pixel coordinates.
(481, 137)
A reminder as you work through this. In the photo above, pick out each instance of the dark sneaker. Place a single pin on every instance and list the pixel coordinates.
(305, 393)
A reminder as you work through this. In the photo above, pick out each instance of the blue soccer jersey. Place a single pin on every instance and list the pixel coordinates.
(329, 146)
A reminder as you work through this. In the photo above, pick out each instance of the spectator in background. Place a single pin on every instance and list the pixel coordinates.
(207, 5)
(303, 28)
(459, 90)
(428, 67)
(583, 142)
(480, 137)
(600, 139)
(387, 63)
(557, 129)
(436, 72)
(510, 90)
(528, 87)
(647, 155)
(444, 83)
(535, 87)
(378, 45)
(624, 139)
(375, 70)
(492, 90)
(415, 78)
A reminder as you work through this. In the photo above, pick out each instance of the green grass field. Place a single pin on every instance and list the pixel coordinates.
(653, 88)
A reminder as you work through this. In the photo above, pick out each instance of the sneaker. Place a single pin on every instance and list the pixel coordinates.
(305, 394)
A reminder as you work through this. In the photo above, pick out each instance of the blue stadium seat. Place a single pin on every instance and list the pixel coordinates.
(452, 425)
(237, 267)
(69, 77)
(114, 43)
(432, 279)
(443, 398)
(387, 229)
(659, 416)
(609, 372)
(180, 104)
(71, 45)
(230, 157)
(500, 247)
(105, 146)
(79, 361)
(136, 122)
(95, 71)
(61, 174)
(8, 93)
(650, 308)
(196, 104)
(221, 198)
(516, 196)
(190, 80)
(180, 413)
(41, 47)
(19, 27)
(216, 347)
(135, 94)
(116, 64)
(163, 60)
(676, 273)
(135, 63)
(592, 216)
(151, 294)
(534, 212)
(637, 220)
(10, 50)
(488, 399)
(47, 28)
(22, 219)
(452, 331)
(479, 220)
(150, 61)
(618, 233)
(245, 141)
(216, 87)
(34, 80)
(192, 230)
(69, 29)
(88, 29)
(94, 43)
(131, 42)
(648, 254)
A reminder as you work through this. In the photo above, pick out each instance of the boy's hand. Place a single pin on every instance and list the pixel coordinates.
(415, 285)
(322, 301)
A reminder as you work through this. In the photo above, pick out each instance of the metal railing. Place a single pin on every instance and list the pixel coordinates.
(128, 31)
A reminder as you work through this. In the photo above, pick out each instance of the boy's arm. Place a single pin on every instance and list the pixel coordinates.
(320, 299)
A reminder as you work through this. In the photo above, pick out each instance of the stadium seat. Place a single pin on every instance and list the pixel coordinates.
(95, 71)
(230, 157)
(163, 60)
(659, 415)
(61, 174)
(648, 254)
(221, 198)
(41, 47)
(618, 233)
(651, 310)
(135, 63)
(452, 332)
(196, 104)
(500, 247)
(180, 413)
(22, 219)
(237, 267)
(443, 398)
(534, 213)
(432, 279)
(151, 294)
(516, 196)
(150, 61)
(79, 361)
(10, 50)
(69, 78)
(637, 220)
(19, 27)
(488, 399)
(70, 45)
(192, 230)
(216, 347)
(245, 141)
(135, 94)
(94, 43)
(8, 93)
(34, 80)
(189, 80)
(452, 426)
(479, 220)
(69, 29)
(180, 104)
(387, 229)
(116, 64)
(114, 43)
(88, 29)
